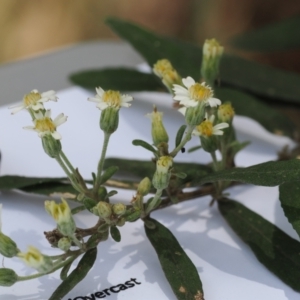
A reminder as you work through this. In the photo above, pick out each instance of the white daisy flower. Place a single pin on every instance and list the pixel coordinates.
(207, 129)
(43, 124)
(34, 100)
(194, 93)
(110, 99)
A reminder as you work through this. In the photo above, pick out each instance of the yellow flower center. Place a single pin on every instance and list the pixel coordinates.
(31, 98)
(161, 67)
(225, 112)
(45, 124)
(112, 98)
(205, 128)
(199, 92)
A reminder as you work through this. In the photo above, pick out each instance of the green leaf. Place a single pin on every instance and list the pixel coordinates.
(108, 173)
(289, 195)
(78, 274)
(117, 79)
(250, 106)
(266, 174)
(177, 266)
(272, 247)
(282, 35)
(235, 71)
(37, 185)
(144, 144)
(115, 233)
(179, 135)
(65, 270)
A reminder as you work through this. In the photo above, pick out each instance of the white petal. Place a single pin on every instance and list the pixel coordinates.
(37, 106)
(125, 104)
(39, 115)
(190, 103)
(179, 89)
(60, 119)
(94, 99)
(17, 108)
(188, 82)
(34, 91)
(182, 110)
(48, 113)
(126, 98)
(100, 91)
(29, 128)
(181, 98)
(102, 105)
(49, 95)
(221, 126)
(213, 102)
(56, 135)
(218, 132)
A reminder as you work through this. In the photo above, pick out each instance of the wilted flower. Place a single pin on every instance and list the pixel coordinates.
(35, 259)
(61, 213)
(162, 174)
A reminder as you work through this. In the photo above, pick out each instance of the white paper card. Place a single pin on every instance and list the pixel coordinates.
(130, 269)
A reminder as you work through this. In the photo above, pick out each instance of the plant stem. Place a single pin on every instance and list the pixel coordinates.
(154, 201)
(66, 160)
(101, 163)
(187, 137)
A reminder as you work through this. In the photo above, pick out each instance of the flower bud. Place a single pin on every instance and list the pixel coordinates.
(212, 53)
(119, 209)
(64, 244)
(225, 113)
(61, 213)
(159, 133)
(162, 174)
(121, 222)
(104, 209)
(109, 119)
(51, 146)
(8, 277)
(35, 259)
(194, 115)
(144, 187)
(8, 247)
(161, 66)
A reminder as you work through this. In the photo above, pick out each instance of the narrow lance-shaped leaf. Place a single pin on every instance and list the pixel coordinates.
(108, 173)
(179, 135)
(235, 71)
(250, 106)
(271, 173)
(289, 195)
(282, 35)
(78, 274)
(144, 144)
(177, 266)
(117, 79)
(272, 247)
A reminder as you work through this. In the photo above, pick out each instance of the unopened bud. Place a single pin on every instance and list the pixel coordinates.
(64, 244)
(144, 187)
(159, 133)
(225, 113)
(212, 53)
(119, 209)
(8, 247)
(8, 277)
(104, 209)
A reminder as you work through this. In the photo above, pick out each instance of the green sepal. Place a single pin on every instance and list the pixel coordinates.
(177, 266)
(78, 274)
(115, 233)
(276, 250)
(179, 135)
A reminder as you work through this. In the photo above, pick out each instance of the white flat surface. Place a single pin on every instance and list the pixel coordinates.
(228, 269)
